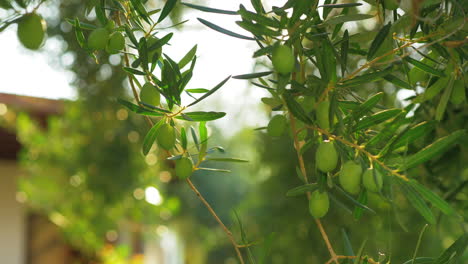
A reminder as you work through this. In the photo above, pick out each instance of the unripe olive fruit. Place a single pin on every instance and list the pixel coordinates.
(391, 4)
(156, 52)
(32, 31)
(150, 95)
(277, 126)
(183, 167)
(166, 137)
(326, 157)
(318, 204)
(98, 39)
(370, 183)
(116, 43)
(350, 177)
(110, 25)
(283, 59)
(323, 110)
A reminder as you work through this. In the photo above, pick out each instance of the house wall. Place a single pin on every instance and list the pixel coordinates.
(12, 216)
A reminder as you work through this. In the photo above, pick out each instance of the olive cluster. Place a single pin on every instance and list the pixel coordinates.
(32, 31)
(350, 177)
(106, 38)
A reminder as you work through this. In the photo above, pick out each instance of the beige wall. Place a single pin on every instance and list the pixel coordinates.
(12, 216)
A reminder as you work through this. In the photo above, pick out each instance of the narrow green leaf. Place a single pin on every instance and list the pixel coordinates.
(79, 34)
(258, 29)
(388, 131)
(362, 199)
(210, 10)
(138, 109)
(151, 137)
(344, 52)
(432, 198)
(418, 203)
(257, 4)
(203, 131)
(424, 67)
(197, 90)
(227, 160)
(440, 110)
(195, 138)
(378, 40)
(454, 251)
(434, 149)
(160, 42)
(303, 189)
(367, 106)
(188, 57)
(265, 251)
(201, 116)
(420, 260)
(252, 75)
(183, 138)
(410, 135)
(354, 201)
(376, 118)
(357, 260)
(222, 30)
(398, 82)
(296, 109)
(133, 71)
(341, 5)
(348, 248)
(346, 18)
(167, 9)
(261, 19)
(367, 78)
(212, 169)
(101, 12)
(130, 35)
(219, 85)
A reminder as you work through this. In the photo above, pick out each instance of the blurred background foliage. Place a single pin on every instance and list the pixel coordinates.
(87, 174)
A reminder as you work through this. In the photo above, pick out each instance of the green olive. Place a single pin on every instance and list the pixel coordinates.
(110, 25)
(150, 95)
(283, 59)
(326, 157)
(318, 204)
(166, 137)
(391, 4)
(350, 177)
(32, 31)
(371, 183)
(98, 39)
(277, 126)
(116, 43)
(155, 53)
(458, 95)
(323, 110)
(183, 167)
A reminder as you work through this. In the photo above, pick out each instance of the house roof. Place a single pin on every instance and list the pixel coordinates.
(38, 108)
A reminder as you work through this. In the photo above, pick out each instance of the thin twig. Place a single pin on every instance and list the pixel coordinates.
(213, 213)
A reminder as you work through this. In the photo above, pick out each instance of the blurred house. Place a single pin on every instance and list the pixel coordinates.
(25, 237)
